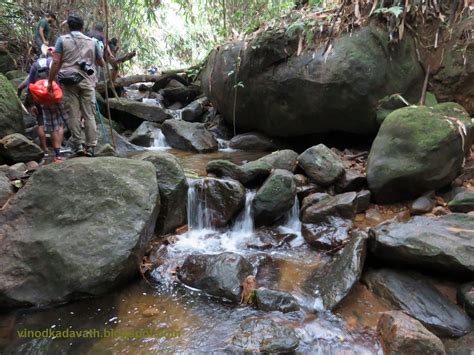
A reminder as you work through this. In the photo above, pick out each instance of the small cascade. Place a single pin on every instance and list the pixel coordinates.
(224, 146)
(159, 140)
(152, 102)
(198, 216)
(177, 114)
(243, 225)
(293, 223)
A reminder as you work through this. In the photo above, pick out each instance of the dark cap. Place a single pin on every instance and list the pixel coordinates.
(75, 23)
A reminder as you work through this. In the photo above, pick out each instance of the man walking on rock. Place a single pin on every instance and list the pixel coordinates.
(43, 32)
(74, 58)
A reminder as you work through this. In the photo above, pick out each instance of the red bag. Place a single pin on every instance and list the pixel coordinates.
(40, 94)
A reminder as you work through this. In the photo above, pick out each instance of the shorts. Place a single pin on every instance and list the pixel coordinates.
(39, 117)
(54, 117)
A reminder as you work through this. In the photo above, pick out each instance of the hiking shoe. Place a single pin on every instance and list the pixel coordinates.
(89, 151)
(79, 150)
(57, 160)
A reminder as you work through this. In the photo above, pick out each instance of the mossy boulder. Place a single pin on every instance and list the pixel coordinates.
(275, 198)
(418, 149)
(286, 95)
(11, 116)
(321, 164)
(250, 174)
(7, 63)
(75, 230)
(173, 188)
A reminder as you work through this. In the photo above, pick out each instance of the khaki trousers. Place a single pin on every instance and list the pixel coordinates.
(80, 101)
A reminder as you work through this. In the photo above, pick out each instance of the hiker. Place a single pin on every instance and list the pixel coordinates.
(74, 58)
(43, 32)
(49, 118)
(98, 33)
(114, 47)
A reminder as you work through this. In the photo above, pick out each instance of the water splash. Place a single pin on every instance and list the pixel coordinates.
(293, 224)
(224, 146)
(244, 225)
(159, 140)
(177, 114)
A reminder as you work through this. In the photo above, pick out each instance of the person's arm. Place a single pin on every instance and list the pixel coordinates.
(111, 54)
(41, 32)
(57, 62)
(22, 86)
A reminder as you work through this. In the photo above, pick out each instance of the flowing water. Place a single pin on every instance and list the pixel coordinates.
(165, 316)
(159, 140)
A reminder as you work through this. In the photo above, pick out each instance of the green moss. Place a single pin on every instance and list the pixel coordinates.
(11, 117)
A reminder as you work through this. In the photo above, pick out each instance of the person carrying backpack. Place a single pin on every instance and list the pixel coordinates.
(51, 118)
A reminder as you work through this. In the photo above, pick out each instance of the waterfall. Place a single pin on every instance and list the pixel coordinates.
(244, 223)
(293, 223)
(198, 213)
(224, 145)
(159, 140)
(177, 114)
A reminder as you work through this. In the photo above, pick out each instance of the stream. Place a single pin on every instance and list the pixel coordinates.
(165, 316)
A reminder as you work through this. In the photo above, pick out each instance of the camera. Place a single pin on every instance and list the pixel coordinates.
(86, 67)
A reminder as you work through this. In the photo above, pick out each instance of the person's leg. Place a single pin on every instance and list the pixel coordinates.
(54, 124)
(73, 106)
(88, 113)
(40, 122)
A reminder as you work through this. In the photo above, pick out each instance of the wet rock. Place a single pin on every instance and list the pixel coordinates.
(352, 180)
(173, 188)
(73, 236)
(16, 74)
(264, 335)
(14, 172)
(321, 164)
(223, 199)
(250, 174)
(19, 149)
(271, 300)
(426, 151)
(144, 134)
(422, 205)
(327, 235)
(267, 270)
(7, 63)
(329, 286)
(6, 189)
(443, 243)
(313, 199)
(218, 275)
(462, 202)
(11, 116)
(419, 299)
(465, 298)
(132, 113)
(275, 198)
(176, 91)
(193, 111)
(106, 150)
(268, 238)
(304, 191)
(363, 201)
(401, 334)
(122, 146)
(219, 128)
(300, 180)
(282, 159)
(287, 95)
(255, 142)
(343, 205)
(372, 215)
(189, 136)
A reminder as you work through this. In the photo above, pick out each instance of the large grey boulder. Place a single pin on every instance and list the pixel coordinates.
(7, 63)
(249, 174)
(287, 95)
(76, 229)
(215, 202)
(189, 136)
(342, 206)
(321, 164)
(173, 188)
(445, 243)
(419, 299)
(275, 198)
(144, 134)
(255, 142)
(132, 113)
(11, 116)
(418, 149)
(326, 288)
(193, 111)
(17, 148)
(401, 334)
(285, 159)
(218, 275)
